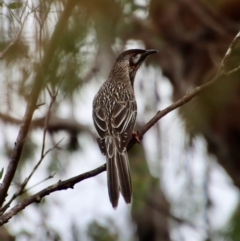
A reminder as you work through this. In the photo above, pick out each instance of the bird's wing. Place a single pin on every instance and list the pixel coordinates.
(99, 120)
(100, 123)
(123, 121)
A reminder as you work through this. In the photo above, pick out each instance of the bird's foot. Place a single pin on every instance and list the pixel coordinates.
(136, 137)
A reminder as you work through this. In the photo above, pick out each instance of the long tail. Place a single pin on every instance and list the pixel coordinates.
(118, 173)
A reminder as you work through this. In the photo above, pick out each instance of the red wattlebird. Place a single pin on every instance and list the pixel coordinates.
(114, 116)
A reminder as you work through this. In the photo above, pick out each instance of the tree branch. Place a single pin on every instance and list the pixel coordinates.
(32, 103)
(60, 185)
(69, 183)
(55, 124)
(43, 154)
(230, 50)
(185, 99)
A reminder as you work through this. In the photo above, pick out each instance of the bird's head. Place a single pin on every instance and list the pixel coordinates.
(127, 64)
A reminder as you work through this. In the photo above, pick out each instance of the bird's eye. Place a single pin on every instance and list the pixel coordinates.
(135, 58)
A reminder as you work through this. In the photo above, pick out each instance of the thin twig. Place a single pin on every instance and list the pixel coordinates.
(23, 185)
(225, 59)
(60, 185)
(31, 105)
(53, 147)
(69, 183)
(36, 184)
(43, 153)
(185, 99)
(53, 98)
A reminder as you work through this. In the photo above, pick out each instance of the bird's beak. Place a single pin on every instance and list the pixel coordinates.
(145, 55)
(151, 51)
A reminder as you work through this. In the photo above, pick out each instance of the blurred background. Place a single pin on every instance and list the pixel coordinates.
(186, 172)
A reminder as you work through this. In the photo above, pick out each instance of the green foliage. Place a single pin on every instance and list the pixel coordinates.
(16, 52)
(97, 232)
(1, 173)
(15, 5)
(70, 61)
(97, 25)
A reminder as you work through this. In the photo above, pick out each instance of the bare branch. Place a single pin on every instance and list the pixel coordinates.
(31, 106)
(23, 185)
(43, 154)
(69, 183)
(53, 98)
(60, 185)
(36, 184)
(56, 123)
(9, 119)
(185, 99)
(225, 59)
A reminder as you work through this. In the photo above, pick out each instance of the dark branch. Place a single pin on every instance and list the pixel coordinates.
(229, 52)
(32, 103)
(185, 99)
(60, 185)
(43, 154)
(55, 124)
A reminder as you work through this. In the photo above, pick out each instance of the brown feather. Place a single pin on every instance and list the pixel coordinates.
(114, 116)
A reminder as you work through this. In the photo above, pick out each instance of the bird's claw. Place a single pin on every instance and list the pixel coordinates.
(136, 137)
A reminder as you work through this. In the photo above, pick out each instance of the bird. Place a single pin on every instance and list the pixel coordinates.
(114, 115)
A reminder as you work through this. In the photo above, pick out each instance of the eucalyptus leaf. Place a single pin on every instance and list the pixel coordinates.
(15, 5)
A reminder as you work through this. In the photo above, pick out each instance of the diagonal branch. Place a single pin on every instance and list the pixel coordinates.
(69, 183)
(32, 103)
(24, 184)
(230, 50)
(185, 99)
(43, 154)
(60, 185)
